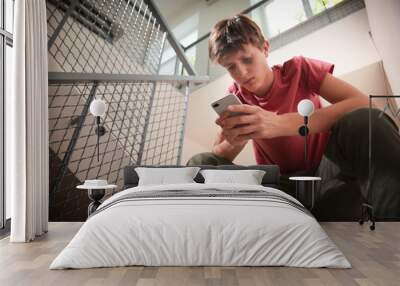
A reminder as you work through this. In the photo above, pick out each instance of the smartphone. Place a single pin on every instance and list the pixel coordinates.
(222, 104)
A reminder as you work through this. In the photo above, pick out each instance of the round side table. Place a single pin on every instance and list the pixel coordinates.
(95, 194)
(305, 190)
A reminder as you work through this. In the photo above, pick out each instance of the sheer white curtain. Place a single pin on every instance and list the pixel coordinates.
(27, 124)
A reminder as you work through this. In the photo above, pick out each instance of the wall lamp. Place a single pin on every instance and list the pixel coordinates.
(305, 108)
(98, 109)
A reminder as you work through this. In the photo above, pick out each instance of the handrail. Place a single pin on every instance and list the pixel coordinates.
(73, 77)
(8, 36)
(171, 38)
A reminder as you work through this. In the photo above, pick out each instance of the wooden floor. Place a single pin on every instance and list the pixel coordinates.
(374, 255)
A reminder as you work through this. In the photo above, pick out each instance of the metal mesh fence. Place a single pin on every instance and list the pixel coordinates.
(103, 36)
(144, 120)
(144, 125)
(164, 136)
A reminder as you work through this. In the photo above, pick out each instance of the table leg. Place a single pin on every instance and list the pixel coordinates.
(95, 196)
(305, 193)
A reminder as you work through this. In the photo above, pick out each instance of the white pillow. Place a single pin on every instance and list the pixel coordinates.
(248, 177)
(162, 176)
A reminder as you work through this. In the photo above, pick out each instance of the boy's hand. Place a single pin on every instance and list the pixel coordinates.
(255, 123)
(222, 141)
(225, 149)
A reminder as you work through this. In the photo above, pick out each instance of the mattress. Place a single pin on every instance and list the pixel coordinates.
(201, 225)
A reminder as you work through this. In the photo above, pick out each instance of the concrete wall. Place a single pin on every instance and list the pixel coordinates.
(384, 20)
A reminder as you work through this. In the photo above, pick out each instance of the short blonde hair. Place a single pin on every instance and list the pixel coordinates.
(229, 35)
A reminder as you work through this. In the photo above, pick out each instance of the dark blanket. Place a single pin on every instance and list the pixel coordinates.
(202, 194)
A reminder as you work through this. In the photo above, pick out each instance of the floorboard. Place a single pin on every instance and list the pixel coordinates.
(374, 255)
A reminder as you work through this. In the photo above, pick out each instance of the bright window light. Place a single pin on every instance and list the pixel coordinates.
(318, 6)
(283, 14)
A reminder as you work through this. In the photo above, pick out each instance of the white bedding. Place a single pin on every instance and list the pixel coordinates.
(200, 231)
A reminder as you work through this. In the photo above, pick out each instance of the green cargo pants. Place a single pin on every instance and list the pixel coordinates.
(344, 168)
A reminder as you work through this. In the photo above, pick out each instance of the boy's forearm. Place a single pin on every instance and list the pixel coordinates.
(322, 119)
(226, 150)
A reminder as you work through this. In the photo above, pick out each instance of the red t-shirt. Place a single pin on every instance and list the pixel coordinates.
(297, 79)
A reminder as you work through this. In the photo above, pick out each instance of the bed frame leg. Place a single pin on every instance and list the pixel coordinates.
(367, 211)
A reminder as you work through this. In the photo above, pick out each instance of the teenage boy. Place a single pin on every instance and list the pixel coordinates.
(338, 138)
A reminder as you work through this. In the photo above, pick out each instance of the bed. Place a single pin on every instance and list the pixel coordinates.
(201, 224)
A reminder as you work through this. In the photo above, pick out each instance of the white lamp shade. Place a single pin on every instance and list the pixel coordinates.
(98, 107)
(305, 107)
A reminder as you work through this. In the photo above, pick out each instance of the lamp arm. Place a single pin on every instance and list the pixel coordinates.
(305, 150)
(303, 131)
(98, 137)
